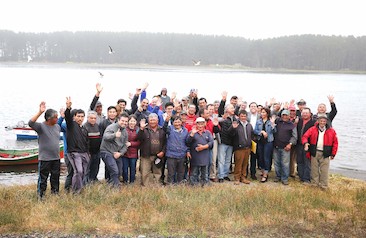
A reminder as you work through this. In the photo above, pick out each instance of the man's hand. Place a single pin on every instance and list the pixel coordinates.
(42, 107)
(288, 147)
(99, 88)
(143, 123)
(116, 155)
(331, 98)
(68, 102)
(160, 154)
(306, 146)
(118, 133)
(224, 95)
(62, 112)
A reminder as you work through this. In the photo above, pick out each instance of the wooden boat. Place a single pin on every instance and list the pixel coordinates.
(24, 132)
(19, 158)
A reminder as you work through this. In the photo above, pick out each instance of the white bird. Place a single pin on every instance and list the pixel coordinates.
(29, 58)
(110, 50)
(101, 75)
(196, 63)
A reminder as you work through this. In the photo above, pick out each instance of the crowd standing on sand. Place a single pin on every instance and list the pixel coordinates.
(195, 141)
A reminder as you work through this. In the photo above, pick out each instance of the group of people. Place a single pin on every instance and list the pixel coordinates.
(193, 140)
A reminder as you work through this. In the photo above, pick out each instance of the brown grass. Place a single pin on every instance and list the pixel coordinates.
(222, 210)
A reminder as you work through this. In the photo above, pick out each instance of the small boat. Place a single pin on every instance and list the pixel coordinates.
(19, 157)
(24, 132)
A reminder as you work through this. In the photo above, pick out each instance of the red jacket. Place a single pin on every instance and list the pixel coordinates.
(330, 141)
(135, 143)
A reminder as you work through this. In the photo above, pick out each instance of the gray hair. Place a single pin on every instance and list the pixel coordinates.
(227, 107)
(94, 113)
(153, 115)
(49, 114)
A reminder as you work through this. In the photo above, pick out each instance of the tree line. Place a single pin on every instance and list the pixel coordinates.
(298, 52)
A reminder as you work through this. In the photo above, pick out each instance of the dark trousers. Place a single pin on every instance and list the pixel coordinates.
(111, 165)
(129, 164)
(70, 173)
(44, 169)
(94, 167)
(176, 168)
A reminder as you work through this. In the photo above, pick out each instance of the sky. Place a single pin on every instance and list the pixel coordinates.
(253, 19)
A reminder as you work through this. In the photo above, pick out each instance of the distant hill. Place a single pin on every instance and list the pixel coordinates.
(298, 52)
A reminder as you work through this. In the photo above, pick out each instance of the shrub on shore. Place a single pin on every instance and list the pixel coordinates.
(269, 209)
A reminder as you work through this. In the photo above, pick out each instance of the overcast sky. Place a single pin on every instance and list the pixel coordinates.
(254, 19)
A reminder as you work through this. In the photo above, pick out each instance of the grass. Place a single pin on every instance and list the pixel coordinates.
(221, 210)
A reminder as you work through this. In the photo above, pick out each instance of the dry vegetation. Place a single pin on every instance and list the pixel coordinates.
(222, 210)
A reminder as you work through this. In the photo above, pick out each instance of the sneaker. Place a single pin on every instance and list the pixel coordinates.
(285, 182)
(227, 179)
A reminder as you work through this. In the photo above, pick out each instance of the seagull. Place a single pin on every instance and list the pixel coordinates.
(29, 58)
(101, 75)
(196, 63)
(110, 50)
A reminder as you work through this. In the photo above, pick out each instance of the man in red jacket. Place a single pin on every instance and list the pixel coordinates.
(322, 143)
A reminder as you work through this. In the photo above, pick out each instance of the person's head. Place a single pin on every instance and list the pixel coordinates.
(51, 116)
(216, 105)
(276, 106)
(153, 120)
(306, 113)
(99, 108)
(234, 100)
(169, 106)
(112, 112)
(285, 115)
(230, 109)
(243, 105)
(322, 119)
(185, 101)
(243, 115)
(92, 117)
(183, 116)
(211, 109)
(322, 108)
(200, 124)
(164, 91)
(122, 104)
(259, 108)
(79, 116)
(144, 104)
(132, 121)
(301, 104)
(292, 111)
(253, 108)
(265, 112)
(154, 101)
(123, 120)
(203, 112)
(191, 109)
(177, 122)
(202, 103)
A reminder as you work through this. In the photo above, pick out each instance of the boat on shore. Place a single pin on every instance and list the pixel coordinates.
(22, 157)
(24, 132)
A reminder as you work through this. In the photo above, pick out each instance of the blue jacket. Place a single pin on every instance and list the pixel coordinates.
(176, 142)
(268, 128)
(62, 124)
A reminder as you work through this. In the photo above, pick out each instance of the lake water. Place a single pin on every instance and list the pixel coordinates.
(24, 86)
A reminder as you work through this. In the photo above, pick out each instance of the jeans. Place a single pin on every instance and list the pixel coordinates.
(265, 153)
(225, 153)
(195, 172)
(111, 165)
(282, 163)
(303, 164)
(129, 163)
(94, 166)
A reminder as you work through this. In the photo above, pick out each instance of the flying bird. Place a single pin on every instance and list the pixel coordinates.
(196, 63)
(110, 50)
(29, 58)
(101, 75)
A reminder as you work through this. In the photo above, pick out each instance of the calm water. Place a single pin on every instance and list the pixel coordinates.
(25, 86)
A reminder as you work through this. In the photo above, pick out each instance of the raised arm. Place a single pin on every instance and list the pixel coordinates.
(99, 88)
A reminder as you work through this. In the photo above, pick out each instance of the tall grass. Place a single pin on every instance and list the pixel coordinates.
(220, 210)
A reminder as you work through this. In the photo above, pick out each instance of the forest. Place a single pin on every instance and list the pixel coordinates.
(297, 52)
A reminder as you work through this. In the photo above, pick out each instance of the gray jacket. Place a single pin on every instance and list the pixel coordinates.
(111, 143)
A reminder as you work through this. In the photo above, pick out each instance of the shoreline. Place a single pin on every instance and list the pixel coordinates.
(349, 173)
